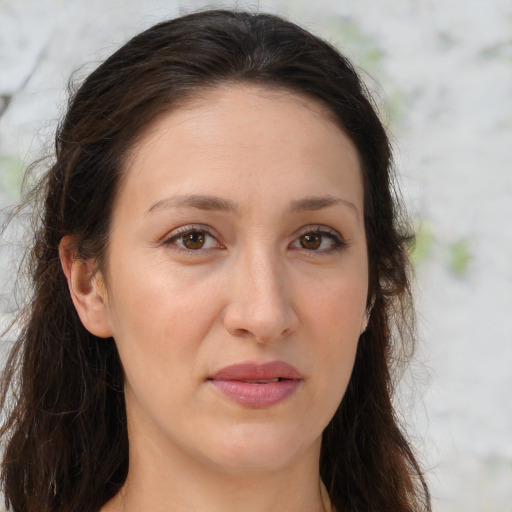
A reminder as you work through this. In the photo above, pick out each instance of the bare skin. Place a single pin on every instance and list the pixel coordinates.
(237, 236)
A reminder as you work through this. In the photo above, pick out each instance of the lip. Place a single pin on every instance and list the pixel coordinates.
(244, 383)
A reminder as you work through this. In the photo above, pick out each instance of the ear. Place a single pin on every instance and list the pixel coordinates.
(366, 318)
(87, 289)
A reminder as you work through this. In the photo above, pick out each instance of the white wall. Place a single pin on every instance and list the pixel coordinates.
(445, 71)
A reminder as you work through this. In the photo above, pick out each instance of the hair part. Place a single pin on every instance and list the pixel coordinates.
(66, 433)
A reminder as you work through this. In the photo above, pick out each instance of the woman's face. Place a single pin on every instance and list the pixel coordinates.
(236, 279)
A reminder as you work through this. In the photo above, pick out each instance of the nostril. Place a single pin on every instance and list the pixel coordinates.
(242, 333)
(264, 321)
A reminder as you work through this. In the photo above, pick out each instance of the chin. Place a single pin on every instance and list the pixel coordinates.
(262, 448)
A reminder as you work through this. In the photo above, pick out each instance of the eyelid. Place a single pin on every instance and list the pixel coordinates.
(176, 233)
(318, 228)
(339, 242)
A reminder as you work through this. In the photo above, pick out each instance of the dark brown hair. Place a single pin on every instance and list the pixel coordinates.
(65, 435)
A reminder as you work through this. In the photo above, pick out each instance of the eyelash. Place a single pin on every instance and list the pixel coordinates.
(337, 240)
(182, 232)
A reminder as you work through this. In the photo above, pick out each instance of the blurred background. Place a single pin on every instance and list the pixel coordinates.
(441, 72)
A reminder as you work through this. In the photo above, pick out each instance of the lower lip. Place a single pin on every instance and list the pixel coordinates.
(256, 396)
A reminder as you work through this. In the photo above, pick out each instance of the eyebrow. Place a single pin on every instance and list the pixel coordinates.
(214, 203)
(318, 202)
(201, 202)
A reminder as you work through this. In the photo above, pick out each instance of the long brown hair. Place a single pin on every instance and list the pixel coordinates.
(65, 432)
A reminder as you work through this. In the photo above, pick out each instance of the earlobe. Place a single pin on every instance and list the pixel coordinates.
(365, 322)
(366, 318)
(87, 289)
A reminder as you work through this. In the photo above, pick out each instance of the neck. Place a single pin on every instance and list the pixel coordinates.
(175, 484)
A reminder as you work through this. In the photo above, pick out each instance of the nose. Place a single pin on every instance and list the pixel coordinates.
(260, 300)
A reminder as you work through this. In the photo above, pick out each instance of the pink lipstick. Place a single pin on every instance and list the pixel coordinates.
(257, 385)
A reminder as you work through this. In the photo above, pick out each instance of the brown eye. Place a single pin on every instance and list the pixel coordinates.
(194, 240)
(311, 241)
(319, 240)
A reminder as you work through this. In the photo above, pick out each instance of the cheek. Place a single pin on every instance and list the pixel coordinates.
(335, 317)
(337, 308)
(159, 297)
(159, 320)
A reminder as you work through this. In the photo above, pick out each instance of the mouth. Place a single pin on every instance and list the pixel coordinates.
(257, 385)
(277, 379)
(258, 373)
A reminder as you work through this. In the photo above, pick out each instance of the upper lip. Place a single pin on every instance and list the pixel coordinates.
(251, 371)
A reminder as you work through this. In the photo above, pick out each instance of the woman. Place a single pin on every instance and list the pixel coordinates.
(220, 283)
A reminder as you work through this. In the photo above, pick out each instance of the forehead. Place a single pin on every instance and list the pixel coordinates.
(246, 133)
(234, 102)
